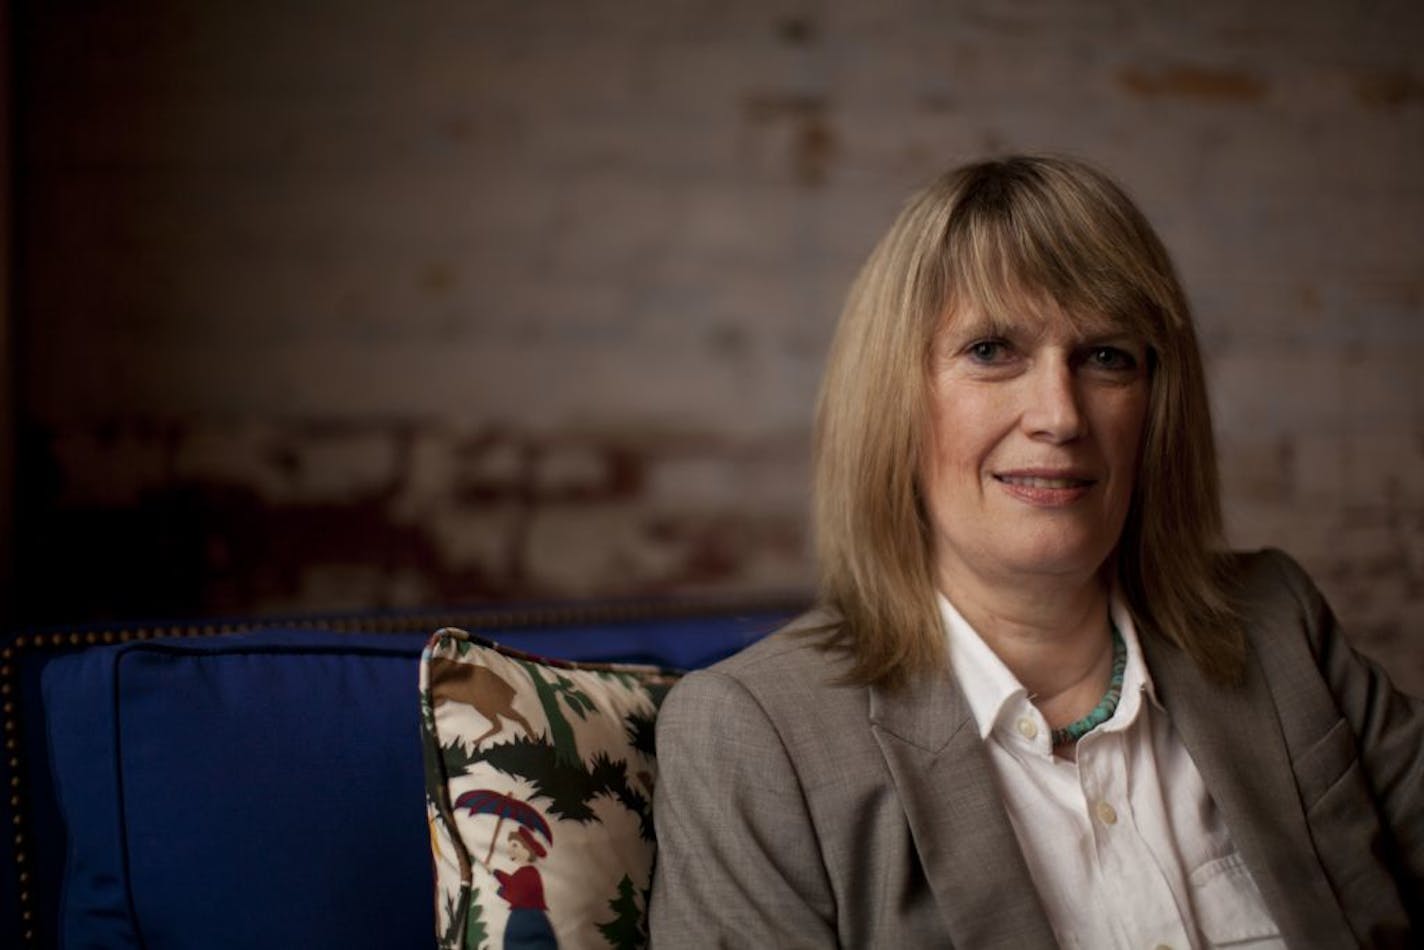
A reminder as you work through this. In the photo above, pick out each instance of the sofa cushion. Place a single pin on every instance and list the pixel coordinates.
(213, 795)
(539, 781)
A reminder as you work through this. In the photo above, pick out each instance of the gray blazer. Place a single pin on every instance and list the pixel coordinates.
(792, 812)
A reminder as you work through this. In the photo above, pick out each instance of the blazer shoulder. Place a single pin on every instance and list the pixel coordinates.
(1291, 628)
(800, 650)
(1271, 581)
(1264, 565)
(789, 681)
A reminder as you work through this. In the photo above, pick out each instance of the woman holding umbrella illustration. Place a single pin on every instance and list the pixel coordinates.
(522, 888)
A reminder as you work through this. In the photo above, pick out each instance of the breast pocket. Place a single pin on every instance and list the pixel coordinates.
(1229, 907)
(1320, 767)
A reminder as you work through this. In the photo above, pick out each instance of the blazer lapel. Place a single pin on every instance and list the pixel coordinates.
(1234, 738)
(966, 844)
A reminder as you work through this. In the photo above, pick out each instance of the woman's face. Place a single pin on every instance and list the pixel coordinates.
(1035, 431)
(517, 852)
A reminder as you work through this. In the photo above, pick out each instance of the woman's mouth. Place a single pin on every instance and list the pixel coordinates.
(1040, 481)
(1045, 490)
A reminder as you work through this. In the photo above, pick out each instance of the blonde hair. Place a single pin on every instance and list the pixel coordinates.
(992, 234)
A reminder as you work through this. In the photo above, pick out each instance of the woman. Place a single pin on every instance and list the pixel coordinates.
(528, 927)
(1039, 703)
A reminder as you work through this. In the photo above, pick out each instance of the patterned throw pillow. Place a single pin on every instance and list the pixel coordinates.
(539, 786)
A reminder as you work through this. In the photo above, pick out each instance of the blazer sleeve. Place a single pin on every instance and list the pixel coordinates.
(1388, 729)
(738, 862)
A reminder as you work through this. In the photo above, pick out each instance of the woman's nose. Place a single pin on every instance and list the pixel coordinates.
(1052, 412)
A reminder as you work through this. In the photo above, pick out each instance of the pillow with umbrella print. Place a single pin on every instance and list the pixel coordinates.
(539, 780)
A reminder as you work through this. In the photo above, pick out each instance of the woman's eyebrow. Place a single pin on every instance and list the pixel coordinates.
(980, 325)
(1110, 335)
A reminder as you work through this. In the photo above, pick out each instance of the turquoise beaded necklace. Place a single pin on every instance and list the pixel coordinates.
(1103, 711)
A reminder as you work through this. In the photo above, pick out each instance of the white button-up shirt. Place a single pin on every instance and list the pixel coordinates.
(1125, 845)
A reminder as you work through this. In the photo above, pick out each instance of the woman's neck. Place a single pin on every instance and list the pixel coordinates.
(1054, 637)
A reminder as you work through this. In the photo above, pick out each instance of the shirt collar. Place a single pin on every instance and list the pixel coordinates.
(989, 686)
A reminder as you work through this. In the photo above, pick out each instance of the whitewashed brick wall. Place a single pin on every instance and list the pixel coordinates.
(381, 303)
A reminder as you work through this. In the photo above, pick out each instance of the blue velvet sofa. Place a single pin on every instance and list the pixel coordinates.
(259, 784)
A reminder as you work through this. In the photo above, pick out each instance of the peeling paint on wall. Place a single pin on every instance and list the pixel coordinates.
(1194, 82)
(529, 300)
(285, 518)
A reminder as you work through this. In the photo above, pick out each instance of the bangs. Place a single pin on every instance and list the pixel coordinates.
(1012, 243)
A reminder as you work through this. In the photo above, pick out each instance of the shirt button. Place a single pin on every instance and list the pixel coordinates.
(1027, 728)
(1106, 813)
(1163, 946)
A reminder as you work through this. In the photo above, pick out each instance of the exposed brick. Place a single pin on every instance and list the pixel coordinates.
(583, 550)
(521, 300)
(1195, 82)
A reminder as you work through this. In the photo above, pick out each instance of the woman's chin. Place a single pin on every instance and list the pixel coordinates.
(1050, 563)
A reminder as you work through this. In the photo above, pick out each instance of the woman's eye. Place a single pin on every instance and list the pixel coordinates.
(1110, 357)
(987, 351)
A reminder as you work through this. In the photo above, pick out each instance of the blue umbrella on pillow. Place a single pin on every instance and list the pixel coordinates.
(484, 801)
